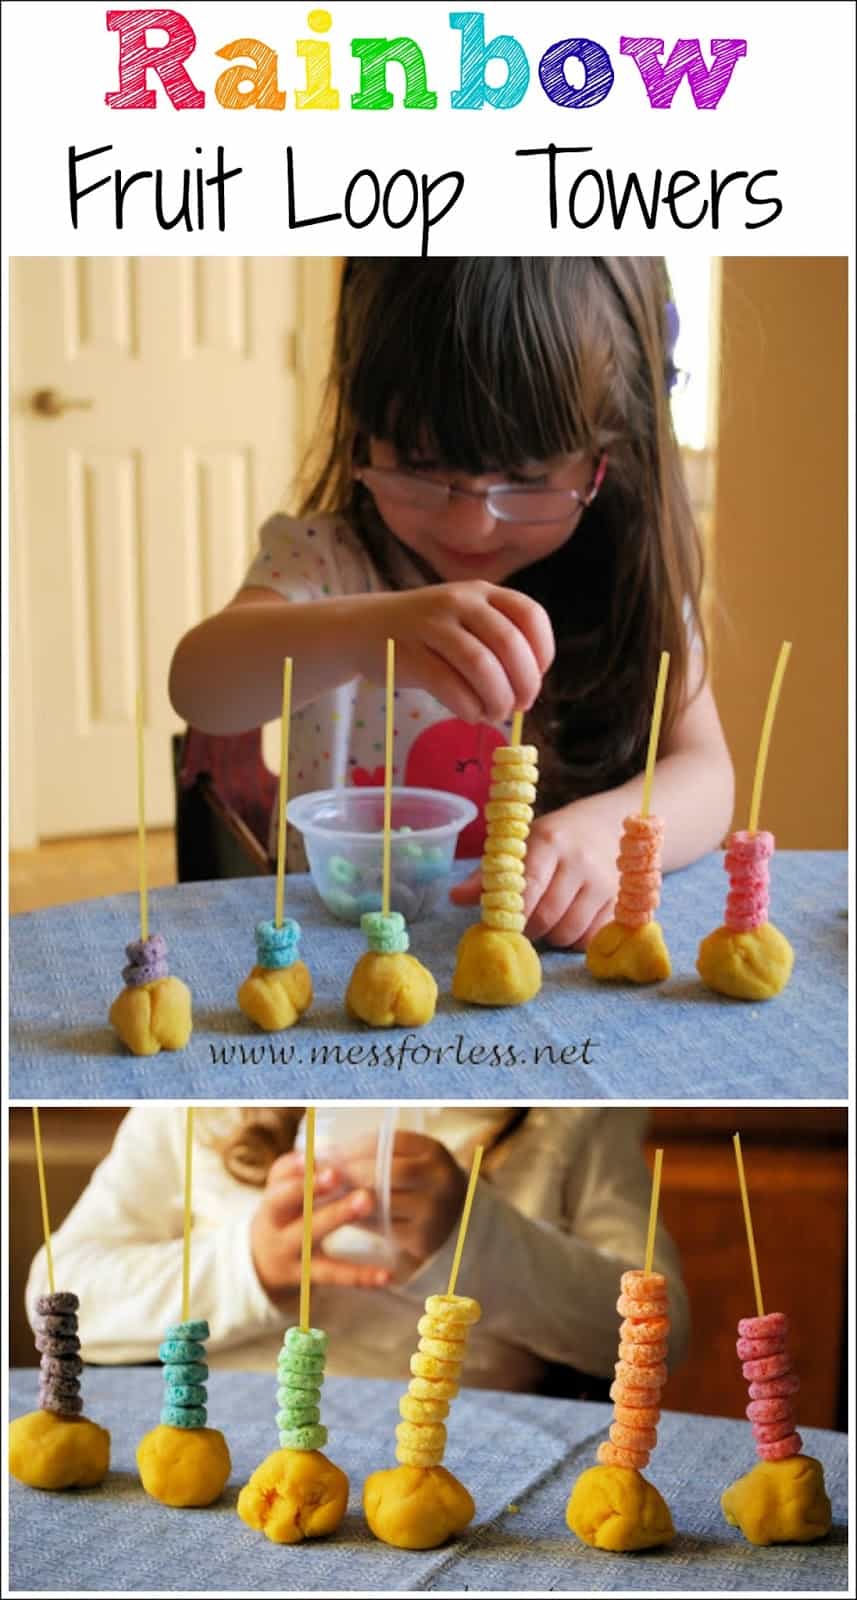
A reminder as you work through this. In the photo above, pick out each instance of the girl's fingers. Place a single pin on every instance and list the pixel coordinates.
(284, 1201)
(476, 665)
(576, 925)
(468, 891)
(542, 863)
(532, 620)
(555, 901)
(430, 670)
(345, 1275)
(512, 648)
(292, 1164)
(598, 922)
(325, 1219)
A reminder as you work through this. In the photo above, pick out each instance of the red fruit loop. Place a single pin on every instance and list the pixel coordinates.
(763, 1347)
(746, 861)
(639, 863)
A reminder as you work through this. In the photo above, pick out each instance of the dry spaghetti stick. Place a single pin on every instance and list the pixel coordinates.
(286, 715)
(517, 728)
(654, 733)
(43, 1192)
(764, 742)
(465, 1218)
(653, 1210)
(141, 823)
(188, 1215)
(388, 776)
(748, 1223)
(306, 1248)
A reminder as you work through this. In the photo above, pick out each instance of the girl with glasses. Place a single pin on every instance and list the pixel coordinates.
(499, 489)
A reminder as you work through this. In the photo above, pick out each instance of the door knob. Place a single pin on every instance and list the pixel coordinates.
(50, 403)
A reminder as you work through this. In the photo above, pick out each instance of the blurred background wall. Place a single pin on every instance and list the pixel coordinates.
(796, 1161)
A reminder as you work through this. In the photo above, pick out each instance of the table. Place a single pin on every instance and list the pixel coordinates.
(518, 1454)
(579, 1040)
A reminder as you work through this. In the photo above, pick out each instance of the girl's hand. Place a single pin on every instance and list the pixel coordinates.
(571, 883)
(427, 1189)
(276, 1234)
(478, 648)
(427, 1193)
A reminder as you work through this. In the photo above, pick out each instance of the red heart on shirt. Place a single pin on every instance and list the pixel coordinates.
(368, 780)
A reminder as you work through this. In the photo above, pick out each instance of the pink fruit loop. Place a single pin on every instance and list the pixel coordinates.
(639, 863)
(766, 1364)
(746, 861)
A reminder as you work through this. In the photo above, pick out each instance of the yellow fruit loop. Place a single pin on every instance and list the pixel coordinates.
(421, 1435)
(508, 815)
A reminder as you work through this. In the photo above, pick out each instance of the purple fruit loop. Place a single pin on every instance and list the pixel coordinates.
(146, 961)
(57, 1339)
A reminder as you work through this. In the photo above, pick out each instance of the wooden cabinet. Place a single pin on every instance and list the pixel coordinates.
(796, 1162)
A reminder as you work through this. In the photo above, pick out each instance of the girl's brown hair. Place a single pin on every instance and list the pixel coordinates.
(489, 364)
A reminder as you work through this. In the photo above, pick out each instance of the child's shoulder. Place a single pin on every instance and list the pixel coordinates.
(321, 549)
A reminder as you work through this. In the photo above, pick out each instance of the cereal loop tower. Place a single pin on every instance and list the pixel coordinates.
(782, 1499)
(612, 1506)
(57, 1447)
(496, 965)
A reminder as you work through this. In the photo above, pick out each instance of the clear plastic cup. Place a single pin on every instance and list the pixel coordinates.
(338, 1130)
(343, 829)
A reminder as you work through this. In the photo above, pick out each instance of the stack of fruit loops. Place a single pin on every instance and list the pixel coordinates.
(419, 1504)
(279, 988)
(296, 1493)
(154, 1011)
(632, 946)
(782, 1500)
(57, 1447)
(495, 964)
(748, 958)
(388, 987)
(612, 1506)
(182, 1462)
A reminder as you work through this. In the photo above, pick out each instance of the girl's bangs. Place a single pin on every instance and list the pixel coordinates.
(465, 376)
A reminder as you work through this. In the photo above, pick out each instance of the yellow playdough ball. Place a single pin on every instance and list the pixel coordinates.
(494, 967)
(183, 1466)
(755, 965)
(154, 1016)
(779, 1502)
(416, 1508)
(616, 1508)
(390, 991)
(639, 955)
(294, 1495)
(274, 997)
(51, 1452)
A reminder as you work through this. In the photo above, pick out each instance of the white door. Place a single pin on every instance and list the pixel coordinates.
(158, 416)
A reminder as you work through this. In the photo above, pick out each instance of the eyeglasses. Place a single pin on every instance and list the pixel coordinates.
(507, 502)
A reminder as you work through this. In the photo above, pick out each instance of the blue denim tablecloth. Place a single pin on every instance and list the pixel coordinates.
(519, 1455)
(674, 1040)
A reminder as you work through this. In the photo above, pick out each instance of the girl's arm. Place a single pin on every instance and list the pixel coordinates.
(120, 1251)
(479, 649)
(553, 1290)
(227, 673)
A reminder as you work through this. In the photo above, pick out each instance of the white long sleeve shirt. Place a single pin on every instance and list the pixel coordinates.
(563, 1213)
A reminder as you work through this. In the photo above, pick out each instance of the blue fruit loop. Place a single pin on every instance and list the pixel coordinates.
(277, 947)
(182, 1348)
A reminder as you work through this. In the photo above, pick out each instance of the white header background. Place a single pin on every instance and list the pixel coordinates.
(788, 109)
